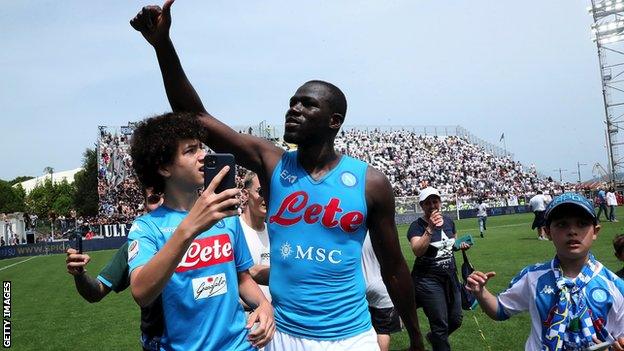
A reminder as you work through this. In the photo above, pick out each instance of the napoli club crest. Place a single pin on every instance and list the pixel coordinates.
(599, 295)
(348, 179)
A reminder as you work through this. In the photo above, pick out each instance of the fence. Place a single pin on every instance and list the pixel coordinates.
(108, 236)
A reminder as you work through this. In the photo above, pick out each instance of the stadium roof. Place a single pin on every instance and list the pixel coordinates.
(57, 177)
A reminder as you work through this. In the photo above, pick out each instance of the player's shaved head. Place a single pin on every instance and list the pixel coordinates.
(334, 96)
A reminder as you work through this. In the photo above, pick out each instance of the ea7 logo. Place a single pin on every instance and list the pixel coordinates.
(209, 286)
(291, 178)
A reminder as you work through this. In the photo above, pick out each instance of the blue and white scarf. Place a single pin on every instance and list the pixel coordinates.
(572, 327)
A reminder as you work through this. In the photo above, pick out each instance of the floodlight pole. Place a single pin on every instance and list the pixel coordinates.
(607, 26)
(578, 170)
(560, 173)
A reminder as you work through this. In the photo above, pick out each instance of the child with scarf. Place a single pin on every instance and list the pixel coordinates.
(574, 301)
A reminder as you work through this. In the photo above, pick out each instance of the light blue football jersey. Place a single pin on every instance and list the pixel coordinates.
(200, 302)
(316, 230)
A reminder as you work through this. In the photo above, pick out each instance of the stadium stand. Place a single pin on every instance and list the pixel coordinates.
(451, 163)
(463, 170)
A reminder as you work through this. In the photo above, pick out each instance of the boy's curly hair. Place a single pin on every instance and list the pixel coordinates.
(155, 142)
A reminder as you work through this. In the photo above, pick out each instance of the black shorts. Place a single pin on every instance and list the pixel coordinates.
(539, 220)
(385, 320)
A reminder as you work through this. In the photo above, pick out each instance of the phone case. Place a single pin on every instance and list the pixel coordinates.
(464, 239)
(213, 163)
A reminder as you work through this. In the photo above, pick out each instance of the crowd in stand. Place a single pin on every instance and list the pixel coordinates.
(450, 163)
(121, 198)
(464, 172)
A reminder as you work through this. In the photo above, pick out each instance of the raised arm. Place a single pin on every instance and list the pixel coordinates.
(385, 240)
(91, 289)
(254, 153)
(476, 284)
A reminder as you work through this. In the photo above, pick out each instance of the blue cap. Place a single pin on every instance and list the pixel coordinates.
(572, 199)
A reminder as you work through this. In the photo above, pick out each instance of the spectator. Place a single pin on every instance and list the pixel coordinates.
(256, 234)
(33, 220)
(8, 228)
(612, 203)
(114, 277)
(482, 216)
(432, 239)
(199, 223)
(384, 317)
(574, 301)
(538, 206)
(601, 201)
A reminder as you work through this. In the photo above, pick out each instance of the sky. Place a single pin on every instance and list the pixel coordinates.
(528, 69)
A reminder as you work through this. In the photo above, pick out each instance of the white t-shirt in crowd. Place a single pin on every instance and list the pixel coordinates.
(538, 203)
(482, 210)
(258, 243)
(611, 199)
(376, 292)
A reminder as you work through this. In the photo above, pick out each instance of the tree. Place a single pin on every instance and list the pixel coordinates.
(49, 170)
(62, 204)
(40, 198)
(48, 197)
(11, 199)
(86, 199)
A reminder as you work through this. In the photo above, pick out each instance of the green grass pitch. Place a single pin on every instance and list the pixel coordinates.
(48, 313)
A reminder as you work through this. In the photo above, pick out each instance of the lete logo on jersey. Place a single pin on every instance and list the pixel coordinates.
(206, 252)
(296, 204)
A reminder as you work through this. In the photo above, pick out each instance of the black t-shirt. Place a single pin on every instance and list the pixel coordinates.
(115, 276)
(153, 319)
(439, 255)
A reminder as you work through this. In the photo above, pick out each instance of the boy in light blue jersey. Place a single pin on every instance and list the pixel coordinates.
(191, 249)
(574, 301)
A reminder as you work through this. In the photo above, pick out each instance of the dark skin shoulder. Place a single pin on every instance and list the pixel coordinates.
(385, 240)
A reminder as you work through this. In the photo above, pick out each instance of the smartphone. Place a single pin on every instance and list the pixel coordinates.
(213, 163)
(78, 242)
(464, 239)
